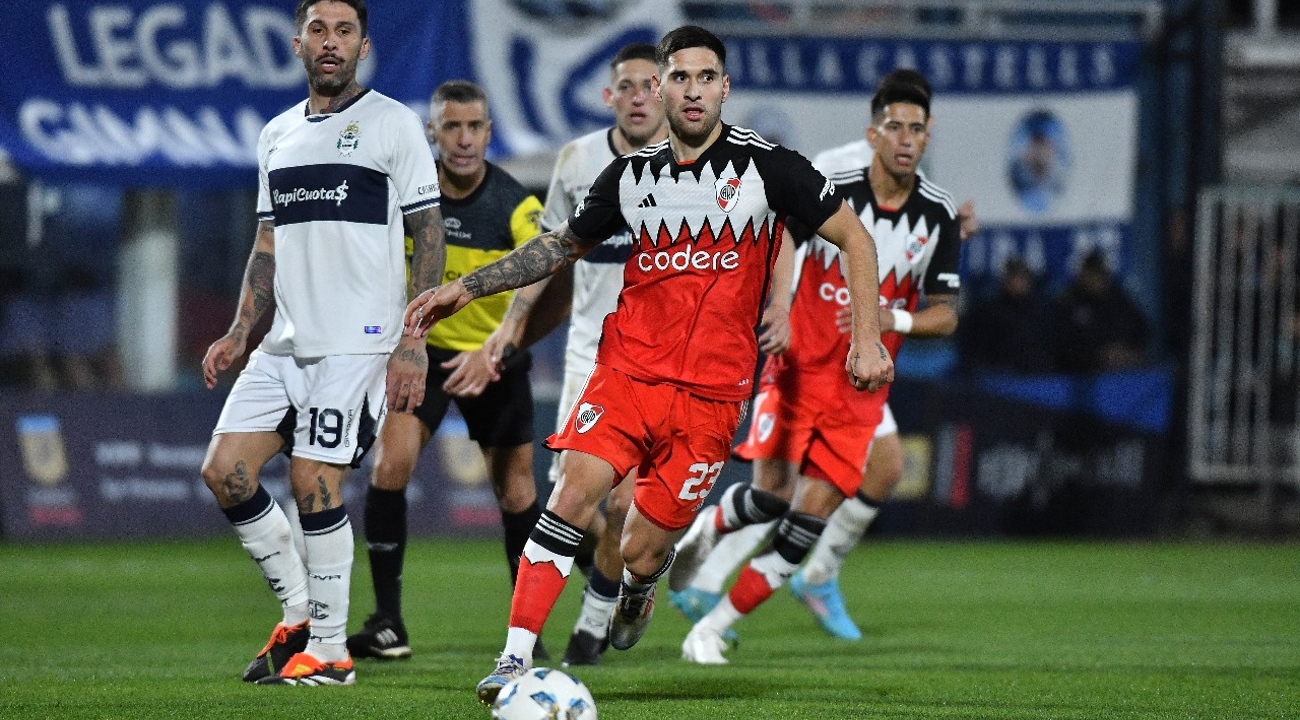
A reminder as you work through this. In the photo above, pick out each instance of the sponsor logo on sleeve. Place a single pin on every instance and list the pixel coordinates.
(827, 189)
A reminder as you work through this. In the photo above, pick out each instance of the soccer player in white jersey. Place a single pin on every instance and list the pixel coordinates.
(807, 425)
(343, 177)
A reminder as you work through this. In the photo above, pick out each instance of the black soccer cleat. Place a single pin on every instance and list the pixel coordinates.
(381, 638)
(285, 642)
(584, 649)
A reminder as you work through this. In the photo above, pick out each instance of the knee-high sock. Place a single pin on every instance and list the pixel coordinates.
(330, 547)
(386, 544)
(743, 504)
(732, 550)
(264, 531)
(518, 527)
(795, 536)
(543, 570)
(843, 531)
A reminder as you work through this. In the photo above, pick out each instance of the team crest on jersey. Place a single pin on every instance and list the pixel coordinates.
(914, 246)
(587, 416)
(728, 190)
(766, 424)
(349, 139)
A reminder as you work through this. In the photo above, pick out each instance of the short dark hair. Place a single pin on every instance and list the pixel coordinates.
(460, 91)
(689, 36)
(633, 51)
(300, 14)
(903, 85)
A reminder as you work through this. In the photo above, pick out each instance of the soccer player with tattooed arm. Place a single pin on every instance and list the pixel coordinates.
(674, 369)
(344, 177)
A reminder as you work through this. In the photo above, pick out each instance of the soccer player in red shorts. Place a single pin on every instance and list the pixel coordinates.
(808, 419)
(674, 369)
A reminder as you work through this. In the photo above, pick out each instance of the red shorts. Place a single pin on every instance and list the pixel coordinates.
(677, 441)
(793, 421)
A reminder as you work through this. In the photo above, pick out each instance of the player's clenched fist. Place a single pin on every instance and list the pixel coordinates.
(870, 370)
(433, 305)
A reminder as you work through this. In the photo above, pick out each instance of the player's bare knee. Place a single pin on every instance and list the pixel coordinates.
(643, 558)
(516, 494)
(231, 479)
(392, 472)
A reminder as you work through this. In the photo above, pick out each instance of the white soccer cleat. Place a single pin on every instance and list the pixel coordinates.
(704, 646)
(693, 549)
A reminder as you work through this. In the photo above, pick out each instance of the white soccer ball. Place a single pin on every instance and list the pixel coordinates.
(544, 694)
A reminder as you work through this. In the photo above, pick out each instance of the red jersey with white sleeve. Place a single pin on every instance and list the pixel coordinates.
(705, 236)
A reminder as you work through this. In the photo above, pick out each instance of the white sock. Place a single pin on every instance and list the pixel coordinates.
(330, 547)
(721, 617)
(730, 552)
(267, 536)
(595, 614)
(843, 531)
(520, 642)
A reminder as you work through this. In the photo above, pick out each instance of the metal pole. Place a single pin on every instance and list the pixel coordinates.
(1265, 13)
(148, 291)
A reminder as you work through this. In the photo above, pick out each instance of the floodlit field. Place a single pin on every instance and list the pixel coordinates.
(1026, 631)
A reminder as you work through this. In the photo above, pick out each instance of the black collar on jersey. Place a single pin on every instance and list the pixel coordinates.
(473, 194)
(319, 117)
(715, 156)
(609, 140)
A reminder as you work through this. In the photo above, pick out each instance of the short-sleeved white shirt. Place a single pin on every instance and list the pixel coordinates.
(336, 186)
(598, 276)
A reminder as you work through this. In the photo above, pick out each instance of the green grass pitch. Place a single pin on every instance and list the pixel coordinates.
(1026, 631)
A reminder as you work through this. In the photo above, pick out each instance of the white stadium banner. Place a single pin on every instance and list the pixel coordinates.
(544, 63)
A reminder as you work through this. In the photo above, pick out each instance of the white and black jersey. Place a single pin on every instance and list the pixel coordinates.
(598, 276)
(336, 186)
(918, 245)
(705, 235)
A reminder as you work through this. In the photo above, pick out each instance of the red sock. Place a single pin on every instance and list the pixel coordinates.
(538, 587)
(750, 590)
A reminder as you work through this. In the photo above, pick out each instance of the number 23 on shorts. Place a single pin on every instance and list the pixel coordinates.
(698, 485)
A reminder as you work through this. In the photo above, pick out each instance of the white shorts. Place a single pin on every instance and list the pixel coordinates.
(887, 426)
(575, 379)
(327, 409)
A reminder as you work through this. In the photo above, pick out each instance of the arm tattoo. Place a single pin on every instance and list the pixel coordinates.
(538, 258)
(258, 292)
(429, 248)
(417, 356)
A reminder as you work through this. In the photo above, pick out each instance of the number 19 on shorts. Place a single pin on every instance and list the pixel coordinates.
(326, 427)
(698, 485)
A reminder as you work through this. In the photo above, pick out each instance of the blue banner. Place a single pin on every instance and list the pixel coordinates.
(176, 93)
(1040, 134)
(855, 65)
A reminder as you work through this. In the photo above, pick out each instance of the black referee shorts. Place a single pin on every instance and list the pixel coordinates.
(502, 417)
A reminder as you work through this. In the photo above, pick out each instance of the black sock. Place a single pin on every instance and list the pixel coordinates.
(518, 527)
(386, 542)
